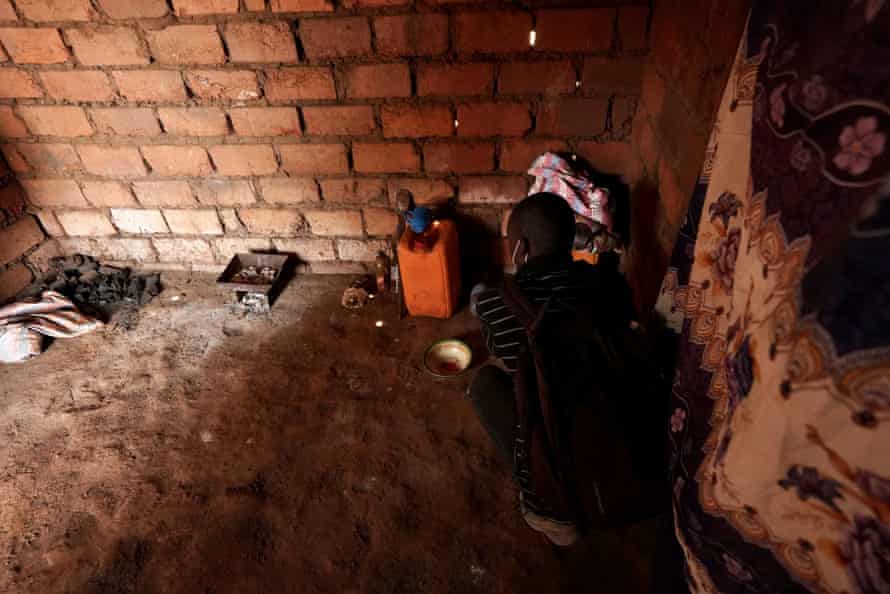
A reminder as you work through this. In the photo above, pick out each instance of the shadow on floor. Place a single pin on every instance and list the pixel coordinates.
(309, 456)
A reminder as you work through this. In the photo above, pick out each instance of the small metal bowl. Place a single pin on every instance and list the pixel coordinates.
(447, 358)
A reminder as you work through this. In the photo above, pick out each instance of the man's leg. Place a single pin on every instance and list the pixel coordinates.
(491, 392)
(493, 398)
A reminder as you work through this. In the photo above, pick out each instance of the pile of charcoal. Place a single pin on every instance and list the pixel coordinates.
(88, 283)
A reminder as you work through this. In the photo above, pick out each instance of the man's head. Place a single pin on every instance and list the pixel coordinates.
(541, 225)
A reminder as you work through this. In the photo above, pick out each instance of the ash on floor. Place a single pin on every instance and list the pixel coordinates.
(300, 452)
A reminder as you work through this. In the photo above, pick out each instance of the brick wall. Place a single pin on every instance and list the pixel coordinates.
(693, 44)
(24, 250)
(177, 133)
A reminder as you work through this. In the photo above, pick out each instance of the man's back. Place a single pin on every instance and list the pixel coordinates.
(566, 284)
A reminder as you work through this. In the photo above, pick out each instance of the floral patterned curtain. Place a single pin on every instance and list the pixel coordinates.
(779, 290)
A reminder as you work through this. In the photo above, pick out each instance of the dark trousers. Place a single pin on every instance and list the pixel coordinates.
(491, 393)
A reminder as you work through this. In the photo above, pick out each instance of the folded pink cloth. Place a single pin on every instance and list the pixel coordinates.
(556, 175)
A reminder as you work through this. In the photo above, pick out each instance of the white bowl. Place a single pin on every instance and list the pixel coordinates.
(447, 358)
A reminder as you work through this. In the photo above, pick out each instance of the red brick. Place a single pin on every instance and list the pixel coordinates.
(11, 126)
(12, 197)
(493, 119)
(380, 221)
(612, 157)
(56, 10)
(611, 75)
(393, 157)
(536, 78)
(34, 46)
(485, 221)
(164, 193)
(454, 80)
(244, 159)
(49, 222)
(18, 84)
(294, 84)
(13, 280)
(494, 32)
(374, 3)
(177, 160)
(18, 238)
(111, 160)
(225, 192)
(340, 120)
(674, 198)
(265, 121)
(138, 220)
(378, 80)
(622, 111)
(183, 251)
(56, 120)
(229, 246)
(352, 190)
(40, 258)
(313, 159)
(584, 30)
(412, 35)
(653, 91)
(53, 192)
(261, 42)
(364, 250)
(271, 221)
(193, 221)
(335, 222)
(336, 37)
(77, 85)
(517, 155)
(302, 6)
(49, 158)
(339, 268)
(7, 13)
(647, 144)
(126, 121)
(153, 86)
(187, 44)
(193, 121)
(289, 190)
(107, 46)
(198, 7)
(130, 249)
(230, 85)
(15, 159)
(85, 223)
(458, 157)
(128, 9)
(425, 191)
(309, 250)
(230, 221)
(107, 193)
(409, 121)
(632, 26)
(255, 5)
(572, 116)
(491, 189)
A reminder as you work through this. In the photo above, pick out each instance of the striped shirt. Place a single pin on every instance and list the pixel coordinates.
(570, 283)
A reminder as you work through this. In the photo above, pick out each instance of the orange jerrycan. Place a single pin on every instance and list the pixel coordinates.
(431, 278)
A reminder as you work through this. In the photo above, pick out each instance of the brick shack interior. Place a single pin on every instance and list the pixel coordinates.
(188, 449)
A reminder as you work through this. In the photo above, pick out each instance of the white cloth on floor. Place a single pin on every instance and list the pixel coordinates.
(24, 324)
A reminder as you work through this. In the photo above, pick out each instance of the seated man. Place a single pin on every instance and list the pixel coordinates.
(540, 232)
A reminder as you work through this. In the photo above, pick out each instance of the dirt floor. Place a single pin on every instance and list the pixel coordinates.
(187, 449)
